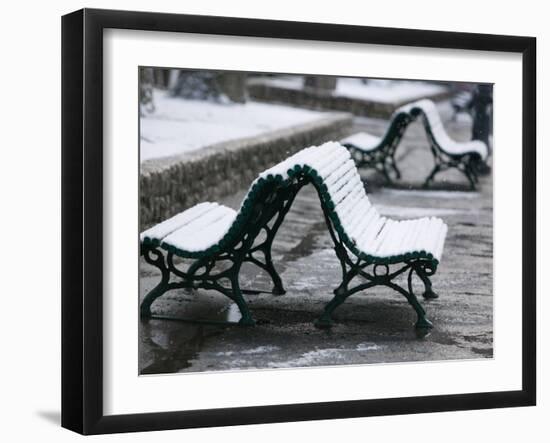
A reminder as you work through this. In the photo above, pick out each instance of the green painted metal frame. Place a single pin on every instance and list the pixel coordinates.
(467, 163)
(358, 267)
(218, 268)
(423, 264)
(382, 157)
(265, 209)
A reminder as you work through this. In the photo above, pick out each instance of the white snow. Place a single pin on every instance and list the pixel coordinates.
(368, 142)
(158, 232)
(202, 232)
(446, 195)
(464, 118)
(371, 233)
(280, 81)
(375, 90)
(363, 141)
(258, 350)
(440, 134)
(179, 125)
(386, 91)
(327, 354)
(408, 211)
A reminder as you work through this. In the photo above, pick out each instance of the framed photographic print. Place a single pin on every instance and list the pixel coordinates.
(269, 221)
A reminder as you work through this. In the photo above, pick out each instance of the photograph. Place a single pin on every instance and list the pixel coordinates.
(298, 220)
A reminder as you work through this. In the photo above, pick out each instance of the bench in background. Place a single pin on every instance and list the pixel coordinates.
(379, 152)
(370, 151)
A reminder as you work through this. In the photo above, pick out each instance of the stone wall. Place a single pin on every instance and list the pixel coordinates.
(305, 98)
(170, 185)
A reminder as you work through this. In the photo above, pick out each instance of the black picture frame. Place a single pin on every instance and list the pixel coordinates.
(82, 219)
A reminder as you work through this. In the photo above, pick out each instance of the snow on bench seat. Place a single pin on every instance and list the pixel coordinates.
(155, 234)
(203, 232)
(440, 136)
(363, 141)
(364, 231)
(194, 230)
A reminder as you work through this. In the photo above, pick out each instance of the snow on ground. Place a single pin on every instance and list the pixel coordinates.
(432, 194)
(386, 91)
(376, 90)
(180, 125)
(280, 81)
(414, 212)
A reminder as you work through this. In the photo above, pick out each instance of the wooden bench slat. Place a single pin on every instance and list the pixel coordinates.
(354, 198)
(345, 170)
(194, 238)
(441, 136)
(363, 140)
(205, 225)
(392, 245)
(360, 218)
(357, 194)
(407, 236)
(346, 188)
(407, 241)
(360, 227)
(161, 230)
(369, 234)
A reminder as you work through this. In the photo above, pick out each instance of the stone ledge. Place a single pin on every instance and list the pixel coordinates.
(310, 100)
(173, 184)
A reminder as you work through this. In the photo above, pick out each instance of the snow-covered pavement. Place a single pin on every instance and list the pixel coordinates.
(375, 90)
(179, 125)
(374, 326)
(384, 91)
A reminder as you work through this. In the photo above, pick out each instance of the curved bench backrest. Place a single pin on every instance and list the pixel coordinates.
(330, 168)
(399, 121)
(436, 130)
(432, 121)
(356, 221)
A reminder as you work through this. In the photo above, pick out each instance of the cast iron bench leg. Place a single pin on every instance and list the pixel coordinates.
(161, 287)
(237, 296)
(395, 168)
(422, 321)
(428, 291)
(278, 288)
(325, 320)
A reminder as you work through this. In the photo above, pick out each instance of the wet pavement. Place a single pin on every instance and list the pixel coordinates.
(373, 326)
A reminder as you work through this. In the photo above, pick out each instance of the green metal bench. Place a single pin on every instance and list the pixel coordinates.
(448, 153)
(379, 152)
(370, 151)
(372, 248)
(215, 241)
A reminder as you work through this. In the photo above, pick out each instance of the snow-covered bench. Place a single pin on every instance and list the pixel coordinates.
(448, 153)
(379, 152)
(370, 151)
(370, 247)
(461, 103)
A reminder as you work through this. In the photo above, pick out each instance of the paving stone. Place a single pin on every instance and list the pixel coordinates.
(374, 326)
